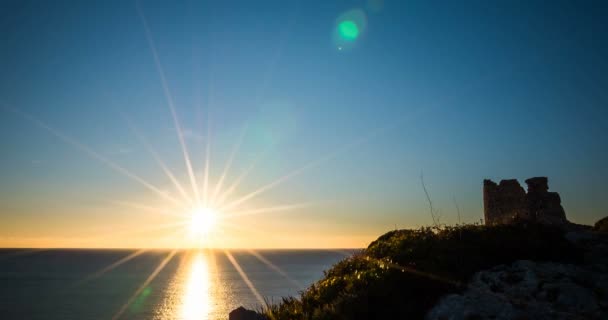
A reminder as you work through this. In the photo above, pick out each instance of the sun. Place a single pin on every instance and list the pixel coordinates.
(203, 221)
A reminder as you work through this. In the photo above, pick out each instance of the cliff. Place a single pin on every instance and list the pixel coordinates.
(413, 274)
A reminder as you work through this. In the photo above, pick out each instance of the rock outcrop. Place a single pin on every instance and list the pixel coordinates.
(241, 313)
(507, 203)
(529, 290)
(601, 225)
(536, 290)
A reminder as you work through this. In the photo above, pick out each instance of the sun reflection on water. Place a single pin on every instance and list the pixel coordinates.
(197, 298)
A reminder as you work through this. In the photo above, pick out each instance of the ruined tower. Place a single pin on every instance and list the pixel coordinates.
(544, 206)
(503, 202)
(507, 202)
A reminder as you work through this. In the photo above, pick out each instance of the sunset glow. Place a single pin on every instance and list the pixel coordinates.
(309, 128)
(290, 160)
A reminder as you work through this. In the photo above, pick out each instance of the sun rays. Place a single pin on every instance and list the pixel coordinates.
(201, 211)
(170, 104)
(275, 268)
(206, 207)
(245, 278)
(101, 272)
(158, 159)
(143, 286)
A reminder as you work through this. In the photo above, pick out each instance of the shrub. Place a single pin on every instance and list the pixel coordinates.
(403, 273)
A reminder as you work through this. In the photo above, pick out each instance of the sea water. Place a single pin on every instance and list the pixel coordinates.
(156, 284)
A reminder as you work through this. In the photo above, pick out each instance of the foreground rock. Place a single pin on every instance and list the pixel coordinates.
(601, 225)
(535, 290)
(241, 313)
(529, 290)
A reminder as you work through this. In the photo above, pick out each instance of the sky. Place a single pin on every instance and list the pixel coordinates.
(331, 112)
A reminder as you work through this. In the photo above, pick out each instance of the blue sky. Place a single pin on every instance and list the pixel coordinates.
(461, 91)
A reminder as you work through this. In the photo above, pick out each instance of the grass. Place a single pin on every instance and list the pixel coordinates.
(403, 273)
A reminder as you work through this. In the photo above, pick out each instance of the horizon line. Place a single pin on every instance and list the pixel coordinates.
(171, 248)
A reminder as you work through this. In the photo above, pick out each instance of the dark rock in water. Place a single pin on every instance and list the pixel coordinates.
(241, 313)
(601, 225)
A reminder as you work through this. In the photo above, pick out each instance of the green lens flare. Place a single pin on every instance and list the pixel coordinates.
(138, 304)
(348, 30)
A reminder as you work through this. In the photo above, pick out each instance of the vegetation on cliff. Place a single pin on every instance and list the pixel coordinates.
(404, 272)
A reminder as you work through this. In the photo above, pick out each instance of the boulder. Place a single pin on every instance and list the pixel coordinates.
(241, 313)
(601, 225)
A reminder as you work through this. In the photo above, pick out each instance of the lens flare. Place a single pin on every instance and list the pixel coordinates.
(348, 30)
(349, 27)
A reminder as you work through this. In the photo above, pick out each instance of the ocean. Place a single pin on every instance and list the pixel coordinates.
(157, 284)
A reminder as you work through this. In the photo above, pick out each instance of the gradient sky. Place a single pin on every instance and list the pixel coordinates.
(458, 90)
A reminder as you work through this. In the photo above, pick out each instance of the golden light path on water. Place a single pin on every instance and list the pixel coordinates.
(197, 297)
(196, 291)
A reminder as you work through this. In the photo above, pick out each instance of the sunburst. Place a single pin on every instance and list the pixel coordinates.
(202, 212)
(203, 221)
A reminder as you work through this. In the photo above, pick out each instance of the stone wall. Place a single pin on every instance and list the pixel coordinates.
(507, 202)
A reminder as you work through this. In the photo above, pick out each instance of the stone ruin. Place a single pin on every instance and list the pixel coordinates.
(507, 203)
